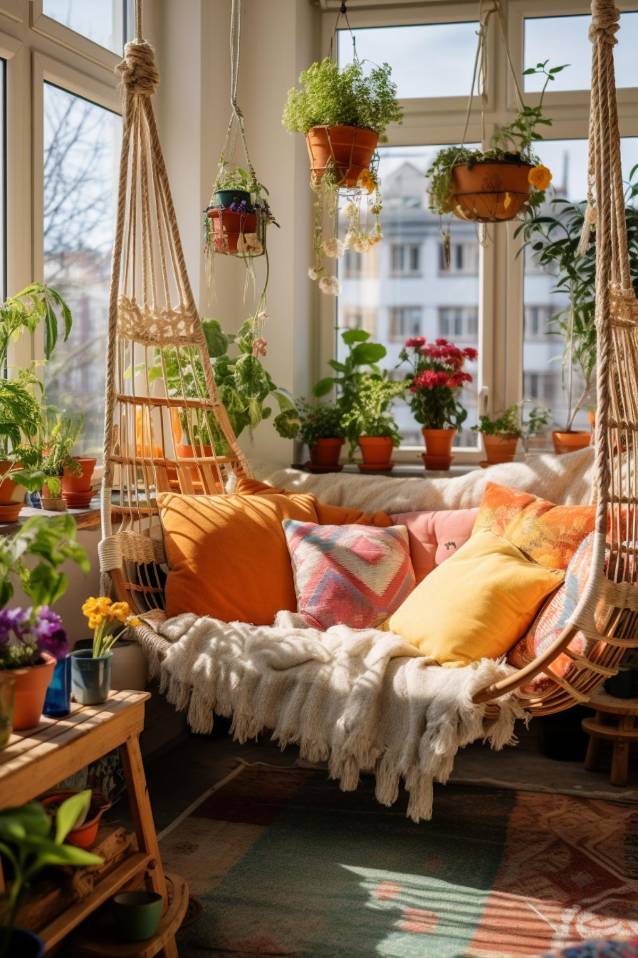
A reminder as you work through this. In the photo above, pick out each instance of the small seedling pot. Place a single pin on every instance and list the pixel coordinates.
(570, 441)
(84, 835)
(499, 448)
(136, 914)
(376, 452)
(324, 454)
(90, 677)
(77, 491)
(50, 502)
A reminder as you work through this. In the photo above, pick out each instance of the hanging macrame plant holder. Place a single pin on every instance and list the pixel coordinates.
(237, 217)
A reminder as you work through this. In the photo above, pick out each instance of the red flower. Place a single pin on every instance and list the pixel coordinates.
(442, 342)
(471, 353)
(415, 342)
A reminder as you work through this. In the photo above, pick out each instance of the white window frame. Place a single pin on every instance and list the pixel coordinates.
(432, 121)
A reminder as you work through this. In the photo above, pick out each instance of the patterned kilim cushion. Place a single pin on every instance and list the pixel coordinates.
(350, 575)
(554, 616)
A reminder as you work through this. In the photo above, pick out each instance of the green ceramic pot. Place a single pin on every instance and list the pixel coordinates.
(90, 678)
(225, 198)
(136, 914)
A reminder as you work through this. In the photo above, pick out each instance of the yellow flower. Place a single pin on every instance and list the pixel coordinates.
(367, 181)
(133, 621)
(540, 177)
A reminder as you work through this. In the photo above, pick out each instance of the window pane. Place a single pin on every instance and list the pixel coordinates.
(81, 148)
(447, 48)
(565, 40)
(408, 289)
(544, 380)
(100, 20)
(3, 206)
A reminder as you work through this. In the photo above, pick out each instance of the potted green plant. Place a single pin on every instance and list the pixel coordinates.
(343, 114)
(33, 639)
(495, 184)
(20, 424)
(31, 842)
(91, 668)
(238, 213)
(502, 433)
(56, 445)
(83, 834)
(434, 381)
(321, 430)
(370, 424)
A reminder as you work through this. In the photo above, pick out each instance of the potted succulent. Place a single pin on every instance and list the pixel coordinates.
(434, 382)
(370, 424)
(31, 842)
(238, 213)
(91, 668)
(343, 114)
(498, 183)
(33, 639)
(501, 433)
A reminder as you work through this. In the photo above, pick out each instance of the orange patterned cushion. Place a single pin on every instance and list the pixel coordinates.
(547, 533)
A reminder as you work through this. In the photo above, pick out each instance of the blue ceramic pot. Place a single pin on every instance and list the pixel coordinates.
(58, 698)
(90, 678)
(23, 943)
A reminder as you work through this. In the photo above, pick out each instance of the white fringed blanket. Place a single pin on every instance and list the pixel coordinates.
(362, 700)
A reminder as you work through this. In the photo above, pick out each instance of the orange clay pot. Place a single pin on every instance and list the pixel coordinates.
(11, 500)
(324, 454)
(491, 191)
(85, 835)
(346, 149)
(376, 452)
(228, 226)
(570, 441)
(32, 683)
(50, 502)
(76, 490)
(438, 448)
(500, 448)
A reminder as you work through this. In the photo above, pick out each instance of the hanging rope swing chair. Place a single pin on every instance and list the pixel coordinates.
(155, 329)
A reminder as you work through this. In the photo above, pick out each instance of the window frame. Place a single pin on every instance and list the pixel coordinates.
(432, 121)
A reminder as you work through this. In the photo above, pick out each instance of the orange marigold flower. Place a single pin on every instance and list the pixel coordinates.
(540, 177)
(367, 181)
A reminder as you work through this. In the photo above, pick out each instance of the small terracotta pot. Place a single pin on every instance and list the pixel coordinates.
(570, 441)
(376, 452)
(490, 191)
(85, 835)
(500, 448)
(438, 448)
(50, 502)
(32, 683)
(228, 226)
(324, 454)
(346, 149)
(11, 496)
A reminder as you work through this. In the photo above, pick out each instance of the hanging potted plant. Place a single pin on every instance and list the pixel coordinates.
(434, 382)
(33, 639)
(31, 842)
(238, 213)
(343, 114)
(502, 433)
(370, 424)
(91, 668)
(493, 185)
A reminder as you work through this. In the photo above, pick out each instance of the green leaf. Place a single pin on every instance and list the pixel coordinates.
(30, 819)
(216, 339)
(323, 387)
(71, 814)
(352, 336)
(365, 354)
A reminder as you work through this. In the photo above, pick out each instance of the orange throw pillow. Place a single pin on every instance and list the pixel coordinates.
(328, 515)
(547, 533)
(227, 555)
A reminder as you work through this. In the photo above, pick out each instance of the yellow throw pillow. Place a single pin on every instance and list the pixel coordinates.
(475, 605)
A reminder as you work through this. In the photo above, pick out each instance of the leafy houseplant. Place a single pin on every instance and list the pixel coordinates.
(370, 423)
(321, 429)
(31, 842)
(91, 668)
(32, 639)
(343, 114)
(55, 456)
(501, 433)
(495, 184)
(435, 378)
(238, 213)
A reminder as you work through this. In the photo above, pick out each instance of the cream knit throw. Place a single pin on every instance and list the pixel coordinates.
(360, 700)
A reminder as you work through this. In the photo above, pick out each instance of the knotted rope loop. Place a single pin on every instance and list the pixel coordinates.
(605, 22)
(138, 71)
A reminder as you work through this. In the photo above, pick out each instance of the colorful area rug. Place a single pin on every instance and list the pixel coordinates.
(287, 865)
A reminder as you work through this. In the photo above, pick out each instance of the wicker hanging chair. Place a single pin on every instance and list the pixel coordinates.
(159, 437)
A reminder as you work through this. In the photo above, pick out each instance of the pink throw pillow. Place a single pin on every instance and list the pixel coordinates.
(348, 575)
(435, 536)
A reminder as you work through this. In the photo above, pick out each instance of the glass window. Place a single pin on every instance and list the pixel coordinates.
(409, 300)
(565, 40)
(3, 182)
(447, 48)
(101, 21)
(544, 379)
(81, 148)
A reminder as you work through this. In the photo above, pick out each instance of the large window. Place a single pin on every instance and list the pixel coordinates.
(102, 21)
(81, 145)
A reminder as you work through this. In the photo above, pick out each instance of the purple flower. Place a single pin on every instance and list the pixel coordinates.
(13, 623)
(49, 633)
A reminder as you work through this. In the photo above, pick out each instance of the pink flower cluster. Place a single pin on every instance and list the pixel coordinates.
(439, 365)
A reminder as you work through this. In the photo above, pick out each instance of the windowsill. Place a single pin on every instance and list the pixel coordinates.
(403, 470)
(88, 518)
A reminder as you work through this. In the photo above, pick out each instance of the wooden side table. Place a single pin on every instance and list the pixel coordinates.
(38, 759)
(614, 721)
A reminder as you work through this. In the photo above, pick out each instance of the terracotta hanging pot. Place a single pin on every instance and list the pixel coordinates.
(324, 455)
(499, 449)
(11, 496)
(570, 440)
(31, 687)
(347, 150)
(490, 191)
(438, 448)
(228, 227)
(376, 452)
(77, 491)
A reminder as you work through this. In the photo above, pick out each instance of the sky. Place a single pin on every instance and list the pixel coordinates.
(94, 19)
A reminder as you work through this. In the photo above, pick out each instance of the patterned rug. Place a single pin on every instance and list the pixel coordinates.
(287, 865)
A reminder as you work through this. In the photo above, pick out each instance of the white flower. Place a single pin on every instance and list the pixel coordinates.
(329, 285)
(349, 239)
(332, 248)
(313, 273)
(362, 245)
